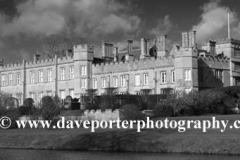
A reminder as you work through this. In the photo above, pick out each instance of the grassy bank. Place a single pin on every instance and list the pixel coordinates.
(149, 140)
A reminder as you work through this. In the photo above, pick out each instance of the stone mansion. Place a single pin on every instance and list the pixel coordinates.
(152, 68)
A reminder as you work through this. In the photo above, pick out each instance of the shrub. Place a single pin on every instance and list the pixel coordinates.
(108, 100)
(188, 111)
(132, 112)
(163, 110)
(29, 102)
(222, 109)
(49, 108)
(14, 115)
(23, 110)
(200, 103)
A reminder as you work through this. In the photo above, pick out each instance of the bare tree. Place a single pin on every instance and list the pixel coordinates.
(57, 45)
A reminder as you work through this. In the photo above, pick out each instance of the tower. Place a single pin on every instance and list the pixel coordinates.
(186, 63)
(83, 57)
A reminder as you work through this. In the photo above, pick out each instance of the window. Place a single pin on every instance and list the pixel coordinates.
(62, 74)
(32, 95)
(167, 91)
(10, 79)
(94, 81)
(71, 92)
(62, 94)
(137, 80)
(71, 72)
(137, 92)
(163, 77)
(218, 75)
(145, 79)
(115, 81)
(200, 74)
(237, 66)
(19, 97)
(84, 83)
(3, 80)
(237, 81)
(49, 93)
(40, 96)
(103, 82)
(123, 81)
(187, 75)
(32, 77)
(173, 76)
(49, 72)
(83, 70)
(40, 76)
(18, 78)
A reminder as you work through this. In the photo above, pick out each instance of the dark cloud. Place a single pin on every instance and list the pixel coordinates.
(24, 23)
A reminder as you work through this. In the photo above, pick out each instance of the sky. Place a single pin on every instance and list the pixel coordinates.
(25, 23)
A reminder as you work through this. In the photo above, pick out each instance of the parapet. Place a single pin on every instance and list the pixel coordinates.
(99, 111)
(212, 58)
(13, 65)
(83, 48)
(223, 40)
(141, 64)
(227, 40)
(40, 63)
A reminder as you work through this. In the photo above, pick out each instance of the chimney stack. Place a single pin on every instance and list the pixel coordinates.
(192, 38)
(36, 57)
(189, 39)
(68, 52)
(161, 46)
(148, 47)
(144, 48)
(210, 47)
(115, 53)
(2, 63)
(185, 39)
(107, 50)
(129, 46)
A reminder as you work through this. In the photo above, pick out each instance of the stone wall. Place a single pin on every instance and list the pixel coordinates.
(107, 115)
(99, 115)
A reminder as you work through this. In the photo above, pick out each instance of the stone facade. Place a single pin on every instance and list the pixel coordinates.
(133, 70)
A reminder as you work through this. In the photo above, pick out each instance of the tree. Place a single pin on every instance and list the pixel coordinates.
(132, 112)
(57, 45)
(92, 100)
(29, 102)
(108, 100)
(49, 108)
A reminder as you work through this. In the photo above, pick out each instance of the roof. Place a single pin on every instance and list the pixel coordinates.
(136, 54)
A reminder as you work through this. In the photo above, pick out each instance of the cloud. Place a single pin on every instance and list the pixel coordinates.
(213, 22)
(2, 44)
(163, 27)
(235, 32)
(87, 18)
(24, 54)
